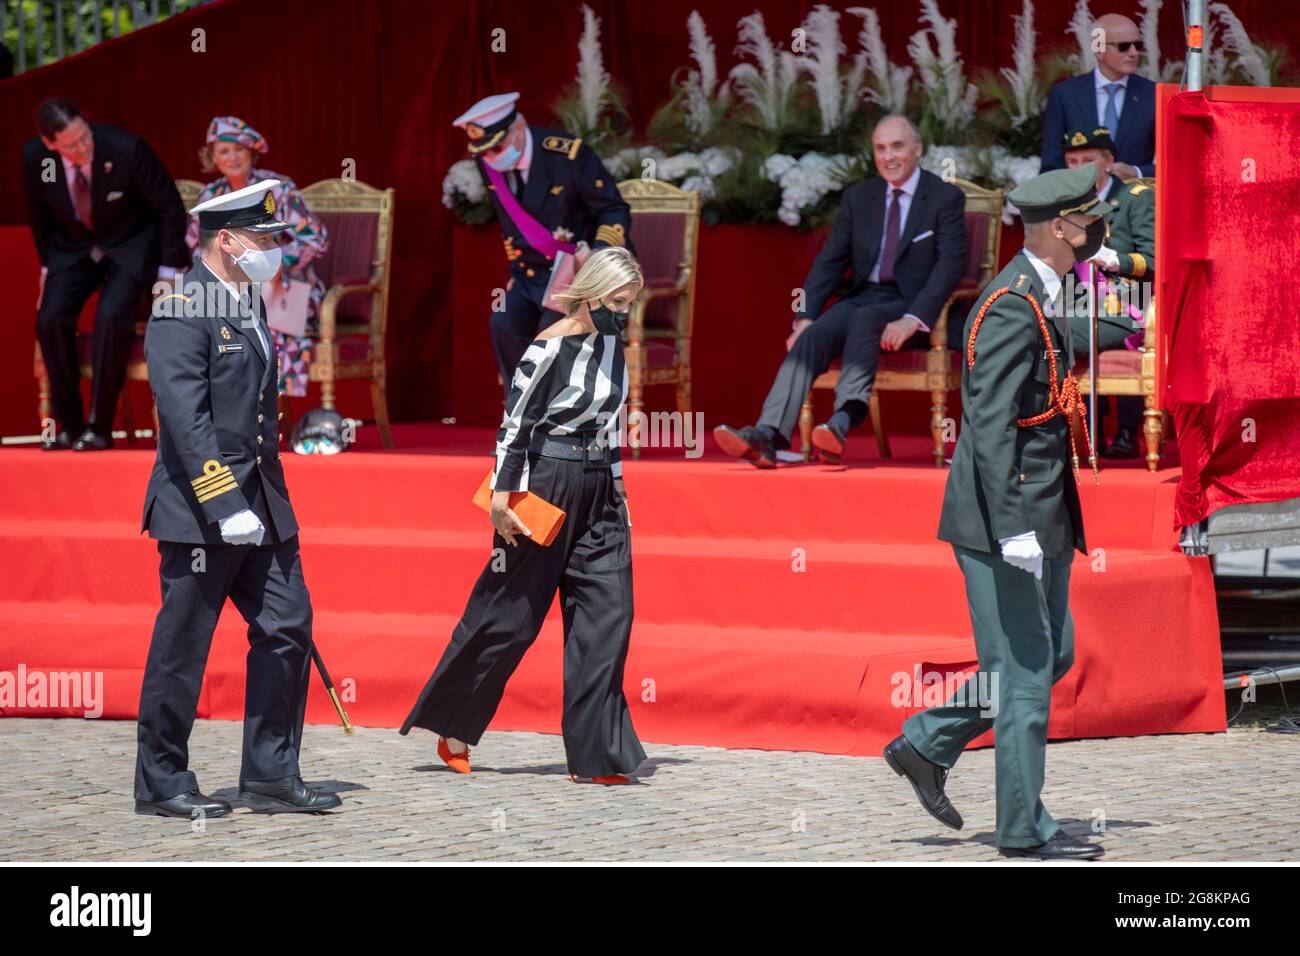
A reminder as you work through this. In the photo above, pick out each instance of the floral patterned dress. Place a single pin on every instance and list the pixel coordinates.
(306, 239)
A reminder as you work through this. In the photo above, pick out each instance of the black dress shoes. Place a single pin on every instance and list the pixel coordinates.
(1061, 846)
(749, 443)
(188, 805)
(927, 780)
(63, 440)
(829, 442)
(1124, 445)
(289, 793)
(92, 440)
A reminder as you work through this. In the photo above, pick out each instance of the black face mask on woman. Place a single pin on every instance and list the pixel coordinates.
(1096, 233)
(607, 321)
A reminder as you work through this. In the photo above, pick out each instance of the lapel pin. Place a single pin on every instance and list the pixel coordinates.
(225, 333)
(108, 166)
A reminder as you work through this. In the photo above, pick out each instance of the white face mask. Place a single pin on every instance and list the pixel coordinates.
(258, 264)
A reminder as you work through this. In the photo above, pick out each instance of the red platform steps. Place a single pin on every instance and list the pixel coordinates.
(776, 610)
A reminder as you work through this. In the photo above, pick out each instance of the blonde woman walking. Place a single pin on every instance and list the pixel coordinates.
(558, 439)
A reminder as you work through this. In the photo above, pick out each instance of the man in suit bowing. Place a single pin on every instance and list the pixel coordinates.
(105, 215)
(902, 238)
(1110, 95)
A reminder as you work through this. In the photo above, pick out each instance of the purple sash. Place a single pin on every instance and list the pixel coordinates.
(534, 233)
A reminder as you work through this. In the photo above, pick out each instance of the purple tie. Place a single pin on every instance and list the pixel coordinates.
(81, 199)
(890, 252)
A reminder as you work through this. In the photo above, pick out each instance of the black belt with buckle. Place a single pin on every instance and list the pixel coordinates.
(585, 447)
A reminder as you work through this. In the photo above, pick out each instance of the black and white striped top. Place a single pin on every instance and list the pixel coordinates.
(566, 385)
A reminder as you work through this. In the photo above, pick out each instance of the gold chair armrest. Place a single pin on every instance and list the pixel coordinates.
(329, 305)
(939, 331)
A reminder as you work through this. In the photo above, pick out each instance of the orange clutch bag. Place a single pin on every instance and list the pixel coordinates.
(541, 517)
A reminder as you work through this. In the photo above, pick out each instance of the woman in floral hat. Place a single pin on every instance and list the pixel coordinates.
(233, 149)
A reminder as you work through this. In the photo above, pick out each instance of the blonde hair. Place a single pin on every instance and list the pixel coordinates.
(604, 273)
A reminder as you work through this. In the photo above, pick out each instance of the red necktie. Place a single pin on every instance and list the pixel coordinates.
(81, 199)
(890, 252)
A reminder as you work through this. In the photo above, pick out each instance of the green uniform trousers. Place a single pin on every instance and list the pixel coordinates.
(1024, 637)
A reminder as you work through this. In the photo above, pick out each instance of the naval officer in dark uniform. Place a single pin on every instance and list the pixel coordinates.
(551, 192)
(218, 506)
(1011, 512)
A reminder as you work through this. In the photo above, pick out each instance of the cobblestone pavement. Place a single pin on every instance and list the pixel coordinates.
(65, 795)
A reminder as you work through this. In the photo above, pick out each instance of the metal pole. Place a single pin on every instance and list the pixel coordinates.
(1195, 39)
(40, 34)
(58, 29)
(1092, 369)
(1276, 675)
(22, 38)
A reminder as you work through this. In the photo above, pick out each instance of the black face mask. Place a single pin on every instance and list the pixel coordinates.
(1096, 233)
(607, 321)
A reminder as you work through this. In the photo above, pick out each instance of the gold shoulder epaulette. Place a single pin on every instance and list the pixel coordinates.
(563, 144)
(1021, 285)
(1138, 189)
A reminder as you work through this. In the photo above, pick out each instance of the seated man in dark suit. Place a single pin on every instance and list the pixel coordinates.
(902, 236)
(1113, 96)
(105, 215)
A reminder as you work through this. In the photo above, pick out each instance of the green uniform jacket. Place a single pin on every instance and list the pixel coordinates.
(1132, 218)
(1006, 480)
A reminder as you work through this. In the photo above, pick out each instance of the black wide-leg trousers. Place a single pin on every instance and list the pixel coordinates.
(590, 564)
(266, 584)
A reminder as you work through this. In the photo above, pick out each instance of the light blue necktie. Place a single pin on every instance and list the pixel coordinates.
(1112, 110)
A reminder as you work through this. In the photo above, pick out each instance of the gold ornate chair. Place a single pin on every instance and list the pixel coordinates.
(936, 370)
(1123, 372)
(665, 229)
(356, 269)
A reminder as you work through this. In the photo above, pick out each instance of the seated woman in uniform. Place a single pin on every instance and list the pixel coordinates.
(232, 148)
(559, 440)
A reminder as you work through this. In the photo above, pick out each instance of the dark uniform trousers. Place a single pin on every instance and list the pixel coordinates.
(850, 330)
(1024, 634)
(121, 297)
(266, 585)
(590, 563)
(513, 329)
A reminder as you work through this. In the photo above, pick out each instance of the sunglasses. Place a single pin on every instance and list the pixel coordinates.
(1123, 45)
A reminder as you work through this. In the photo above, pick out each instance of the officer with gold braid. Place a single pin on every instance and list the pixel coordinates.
(551, 193)
(1011, 512)
(218, 506)
(1128, 261)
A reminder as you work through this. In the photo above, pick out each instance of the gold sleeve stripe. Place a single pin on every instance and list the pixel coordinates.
(211, 470)
(220, 489)
(208, 485)
(1139, 264)
(573, 150)
(610, 235)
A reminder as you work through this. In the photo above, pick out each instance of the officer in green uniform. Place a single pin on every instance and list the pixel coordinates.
(1128, 257)
(1011, 512)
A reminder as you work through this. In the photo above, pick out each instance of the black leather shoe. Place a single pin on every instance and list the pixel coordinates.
(92, 440)
(829, 442)
(290, 793)
(748, 443)
(188, 805)
(1124, 445)
(63, 440)
(927, 780)
(1061, 846)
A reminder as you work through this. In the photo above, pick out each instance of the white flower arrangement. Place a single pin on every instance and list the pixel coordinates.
(767, 86)
(705, 101)
(838, 96)
(1236, 41)
(463, 177)
(1080, 26)
(890, 82)
(1022, 76)
(805, 181)
(950, 99)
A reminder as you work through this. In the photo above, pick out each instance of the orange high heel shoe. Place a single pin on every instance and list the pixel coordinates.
(613, 780)
(457, 762)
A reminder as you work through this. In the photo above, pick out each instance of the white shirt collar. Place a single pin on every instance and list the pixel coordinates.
(70, 168)
(526, 160)
(1100, 82)
(909, 184)
(1047, 275)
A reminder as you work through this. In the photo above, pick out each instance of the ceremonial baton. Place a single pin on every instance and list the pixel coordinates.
(329, 687)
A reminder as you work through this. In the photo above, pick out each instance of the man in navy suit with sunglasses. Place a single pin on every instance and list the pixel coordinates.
(1111, 95)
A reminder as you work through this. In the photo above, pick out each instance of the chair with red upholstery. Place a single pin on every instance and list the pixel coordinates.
(1126, 372)
(665, 230)
(936, 370)
(356, 271)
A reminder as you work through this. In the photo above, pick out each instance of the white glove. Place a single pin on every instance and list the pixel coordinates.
(1106, 258)
(1022, 551)
(243, 527)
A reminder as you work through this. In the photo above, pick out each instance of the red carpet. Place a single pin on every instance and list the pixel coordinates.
(774, 609)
